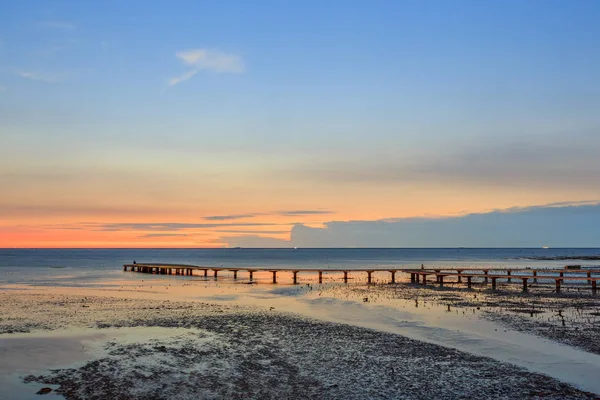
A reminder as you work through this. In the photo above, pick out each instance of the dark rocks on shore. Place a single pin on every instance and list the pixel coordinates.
(45, 390)
(264, 355)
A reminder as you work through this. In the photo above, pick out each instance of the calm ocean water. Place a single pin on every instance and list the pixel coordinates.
(56, 266)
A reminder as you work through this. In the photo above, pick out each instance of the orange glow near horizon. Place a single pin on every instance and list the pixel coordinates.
(90, 231)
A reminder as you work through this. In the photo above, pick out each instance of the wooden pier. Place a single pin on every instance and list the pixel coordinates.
(482, 275)
(190, 270)
(485, 275)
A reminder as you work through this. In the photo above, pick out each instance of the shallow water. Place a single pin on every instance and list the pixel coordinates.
(329, 302)
(34, 353)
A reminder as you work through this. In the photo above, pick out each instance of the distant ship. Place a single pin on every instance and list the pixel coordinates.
(237, 247)
(545, 247)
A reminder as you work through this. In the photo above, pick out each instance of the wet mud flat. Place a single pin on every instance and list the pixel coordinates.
(240, 353)
(571, 317)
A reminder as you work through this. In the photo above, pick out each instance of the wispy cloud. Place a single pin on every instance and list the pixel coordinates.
(252, 231)
(211, 60)
(284, 213)
(230, 217)
(298, 213)
(36, 77)
(170, 226)
(158, 235)
(65, 25)
(183, 77)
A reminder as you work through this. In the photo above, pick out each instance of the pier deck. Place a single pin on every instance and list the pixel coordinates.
(483, 274)
(523, 274)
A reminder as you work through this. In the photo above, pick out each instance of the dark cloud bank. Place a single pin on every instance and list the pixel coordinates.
(560, 225)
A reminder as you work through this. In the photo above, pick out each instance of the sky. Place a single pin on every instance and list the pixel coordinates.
(279, 123)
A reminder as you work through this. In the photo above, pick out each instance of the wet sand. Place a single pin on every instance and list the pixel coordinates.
(223, 349)
(571, 317)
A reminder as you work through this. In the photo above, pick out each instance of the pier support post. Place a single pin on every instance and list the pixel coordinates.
(235, 274)
(485, 280)
(535, 274)
(494, 283)
(205, 273)
(459, 271)
(412, 277)
(295, 277)
(524, 284)
(558, 282)
(424, 280)
(509, 278)
(441, 280)
(345, 276)
(251, 273)
(216, 272)
(589, 275)
(274, 276)
(320, 276)
(369, 278)
(124, 267)
(393, 276)
(469, 282)
(561, 274)
(594, 287)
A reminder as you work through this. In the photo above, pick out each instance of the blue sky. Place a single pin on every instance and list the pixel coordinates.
(373, 110)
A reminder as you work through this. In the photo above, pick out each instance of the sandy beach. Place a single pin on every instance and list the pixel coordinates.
(162, 338)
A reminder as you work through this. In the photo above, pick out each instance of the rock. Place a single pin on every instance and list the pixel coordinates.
(45, 390)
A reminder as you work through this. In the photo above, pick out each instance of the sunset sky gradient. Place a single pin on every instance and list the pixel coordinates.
(216, 123)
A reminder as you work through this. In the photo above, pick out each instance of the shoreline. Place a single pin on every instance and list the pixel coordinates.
(269, 354)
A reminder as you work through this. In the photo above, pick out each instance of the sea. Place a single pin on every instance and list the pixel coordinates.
(84, 266)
